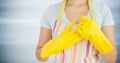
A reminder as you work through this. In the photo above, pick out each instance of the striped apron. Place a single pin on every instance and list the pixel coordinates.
(81, 52)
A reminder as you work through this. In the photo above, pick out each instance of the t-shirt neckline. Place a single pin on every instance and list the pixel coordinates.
(66, 18)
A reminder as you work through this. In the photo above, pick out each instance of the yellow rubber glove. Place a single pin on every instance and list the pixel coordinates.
(91, 31)
(66, 39)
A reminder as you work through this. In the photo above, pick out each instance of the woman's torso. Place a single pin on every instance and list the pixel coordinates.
(83, 51)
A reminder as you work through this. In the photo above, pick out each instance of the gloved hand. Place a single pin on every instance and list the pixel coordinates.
(87, 29)
(91, 31)
(64, 40)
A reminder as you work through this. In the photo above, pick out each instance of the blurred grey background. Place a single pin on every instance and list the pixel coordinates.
(20, 27)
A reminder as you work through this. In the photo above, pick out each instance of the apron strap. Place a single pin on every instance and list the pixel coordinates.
(61, 9)
(92, 13)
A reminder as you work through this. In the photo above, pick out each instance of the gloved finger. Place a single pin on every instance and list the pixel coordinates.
(68, 33)
(83, 31)
(74, 40)
(85, 23)
(72, 36)
(88, 21)
(83, 19)
(68, 27)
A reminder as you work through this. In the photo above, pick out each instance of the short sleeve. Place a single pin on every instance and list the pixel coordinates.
(107, 16)
(44, 20)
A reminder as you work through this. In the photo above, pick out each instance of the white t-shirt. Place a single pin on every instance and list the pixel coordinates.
(102, 12)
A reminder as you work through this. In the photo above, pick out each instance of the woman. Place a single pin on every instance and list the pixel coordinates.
(82, 52)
